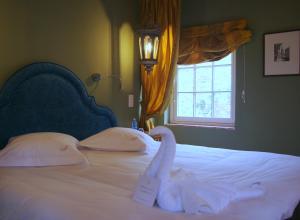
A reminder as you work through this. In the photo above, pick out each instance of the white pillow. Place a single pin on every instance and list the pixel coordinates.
(41, 149)
(118, 139)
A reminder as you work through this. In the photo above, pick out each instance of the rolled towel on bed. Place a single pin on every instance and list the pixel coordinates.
(183, 191)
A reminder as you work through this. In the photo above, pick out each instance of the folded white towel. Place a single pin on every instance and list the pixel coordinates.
(183, 191)
(212, 196)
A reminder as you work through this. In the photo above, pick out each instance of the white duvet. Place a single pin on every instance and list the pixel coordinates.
(103, 189)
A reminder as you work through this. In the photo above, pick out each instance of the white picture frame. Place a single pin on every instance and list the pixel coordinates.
(282, 53)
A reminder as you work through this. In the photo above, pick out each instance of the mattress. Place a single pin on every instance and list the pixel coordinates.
(103, 189)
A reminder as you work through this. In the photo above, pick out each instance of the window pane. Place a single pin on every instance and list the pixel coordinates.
(222, 103)
(204, 79)
(225, 60)
(204, 93)
(185, 66)
(206, 64)
(185, 105)
(185, 80)
(222, 78)
(203, 105)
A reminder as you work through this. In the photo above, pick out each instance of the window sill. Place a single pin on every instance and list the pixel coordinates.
(226, 127)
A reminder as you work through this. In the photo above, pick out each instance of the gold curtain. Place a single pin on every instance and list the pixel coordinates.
(211, 42)
(157, 86)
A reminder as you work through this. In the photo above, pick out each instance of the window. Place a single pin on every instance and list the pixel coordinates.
(205, 93)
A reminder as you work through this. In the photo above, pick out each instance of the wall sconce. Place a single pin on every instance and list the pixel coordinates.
(95, 77)
(148, 45)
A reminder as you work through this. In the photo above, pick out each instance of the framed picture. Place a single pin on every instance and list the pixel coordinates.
(282, 53)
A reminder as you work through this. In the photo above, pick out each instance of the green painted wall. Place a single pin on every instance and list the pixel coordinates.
(85, 37)
(270, 119)
(81, 35)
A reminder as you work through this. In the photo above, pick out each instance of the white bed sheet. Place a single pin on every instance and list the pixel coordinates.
(103, 189)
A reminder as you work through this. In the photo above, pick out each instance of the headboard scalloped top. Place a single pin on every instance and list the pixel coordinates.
(48, 97)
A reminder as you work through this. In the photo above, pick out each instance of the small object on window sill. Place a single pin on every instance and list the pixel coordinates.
(134, 124)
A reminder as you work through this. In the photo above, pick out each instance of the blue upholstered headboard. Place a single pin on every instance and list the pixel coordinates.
(49, 97)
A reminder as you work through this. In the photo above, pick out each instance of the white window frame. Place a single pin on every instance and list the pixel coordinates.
(216, 122)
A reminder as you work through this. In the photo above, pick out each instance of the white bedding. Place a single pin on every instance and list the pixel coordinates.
(103, 189)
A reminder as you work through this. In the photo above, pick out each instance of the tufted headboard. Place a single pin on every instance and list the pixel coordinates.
(49, 97)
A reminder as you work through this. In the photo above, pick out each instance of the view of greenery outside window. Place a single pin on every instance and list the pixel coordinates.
(205, 93)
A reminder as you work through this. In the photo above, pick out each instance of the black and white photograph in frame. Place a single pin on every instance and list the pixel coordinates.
(282, 53)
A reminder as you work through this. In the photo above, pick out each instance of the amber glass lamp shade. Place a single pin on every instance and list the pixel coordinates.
(148, 45)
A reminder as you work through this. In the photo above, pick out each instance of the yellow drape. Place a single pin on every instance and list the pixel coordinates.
(157, 86)
(211, 42)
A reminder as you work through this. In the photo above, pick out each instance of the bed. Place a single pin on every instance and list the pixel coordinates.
(47, 97)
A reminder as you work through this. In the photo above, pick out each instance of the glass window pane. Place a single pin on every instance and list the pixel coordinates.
(185, 80)
(222, 104)
(225, 60)
(205, 64)
(204, 79)
(185, 66)
(203, 105)
(185, 105)
(204, 92)
(222, 78)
